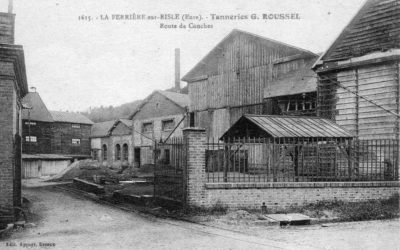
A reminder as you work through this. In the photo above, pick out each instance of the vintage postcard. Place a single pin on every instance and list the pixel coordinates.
(201, 124)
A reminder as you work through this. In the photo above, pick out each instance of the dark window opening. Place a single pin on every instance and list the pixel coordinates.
(104, 152)
(191, 119)
(167, 156)
(168, 125)
(147, 127)
(117, 152)
(125, 152)
(301, 104)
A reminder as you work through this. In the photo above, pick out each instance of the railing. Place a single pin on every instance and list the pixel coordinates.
(170, 164)
(301, 160)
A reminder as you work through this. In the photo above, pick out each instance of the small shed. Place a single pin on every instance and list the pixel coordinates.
(285, 128)
(292, 147)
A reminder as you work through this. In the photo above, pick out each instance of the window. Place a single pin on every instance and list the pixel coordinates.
(104, 152)
(31, 139)
(95, 154)
(76, 125)
(191, 119)
(168, 125)
(117, 152)
(76, 142)
(125, 152)
(167, 157)
(301, 104)
(30, 123)
(147, 127)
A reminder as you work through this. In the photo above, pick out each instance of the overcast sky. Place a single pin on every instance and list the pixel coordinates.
(78, 64)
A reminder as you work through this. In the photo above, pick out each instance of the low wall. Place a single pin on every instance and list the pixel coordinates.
(276, 195)
(283, 195)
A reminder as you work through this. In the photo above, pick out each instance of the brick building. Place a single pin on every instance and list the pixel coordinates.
(13, 87)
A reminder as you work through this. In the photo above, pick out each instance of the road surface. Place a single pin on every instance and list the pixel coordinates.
(68, 221)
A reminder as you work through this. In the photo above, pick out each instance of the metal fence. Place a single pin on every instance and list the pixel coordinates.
(301, 160)
(170, 166)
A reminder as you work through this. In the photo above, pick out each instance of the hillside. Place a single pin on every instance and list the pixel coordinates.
(100, 114)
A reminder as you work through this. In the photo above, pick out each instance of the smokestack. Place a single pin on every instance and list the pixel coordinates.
(177, 71)
(10, 6)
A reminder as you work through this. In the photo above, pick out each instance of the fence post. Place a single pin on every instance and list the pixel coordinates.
(195, 175)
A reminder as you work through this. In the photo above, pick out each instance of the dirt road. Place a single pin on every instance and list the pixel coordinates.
(67, 221)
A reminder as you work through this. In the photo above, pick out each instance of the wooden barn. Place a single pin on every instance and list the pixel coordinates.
(51, 140)
(53, 132)
(247, 73)
(358, 76)
(71, 133)
(37, 126)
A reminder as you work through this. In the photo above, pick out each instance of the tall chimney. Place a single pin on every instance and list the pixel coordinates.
(10, 6)
(177, 71)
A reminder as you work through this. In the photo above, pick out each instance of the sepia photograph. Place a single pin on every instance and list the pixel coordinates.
(200, 124)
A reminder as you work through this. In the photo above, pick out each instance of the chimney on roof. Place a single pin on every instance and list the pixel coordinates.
(7, 21)
(177, 71)
(10, 6)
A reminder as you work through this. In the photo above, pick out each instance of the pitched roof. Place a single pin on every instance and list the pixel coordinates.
(127, 122)
(101, 129)
(375, 27)
(290, 126)
(37, 109)
(182, 100)
(71, 117)
(179, 99)
(209, 63)
(302, 80)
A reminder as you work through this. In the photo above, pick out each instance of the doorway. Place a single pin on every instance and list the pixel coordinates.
(137, 157)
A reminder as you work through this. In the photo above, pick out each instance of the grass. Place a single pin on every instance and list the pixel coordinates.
(352, 211)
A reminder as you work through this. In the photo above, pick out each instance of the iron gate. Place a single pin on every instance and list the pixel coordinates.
(170, 170)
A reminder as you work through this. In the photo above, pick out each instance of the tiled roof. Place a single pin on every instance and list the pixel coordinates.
(38, 110)
(100, 129)
(72, 117)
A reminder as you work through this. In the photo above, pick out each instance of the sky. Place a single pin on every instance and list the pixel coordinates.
(76, 64)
